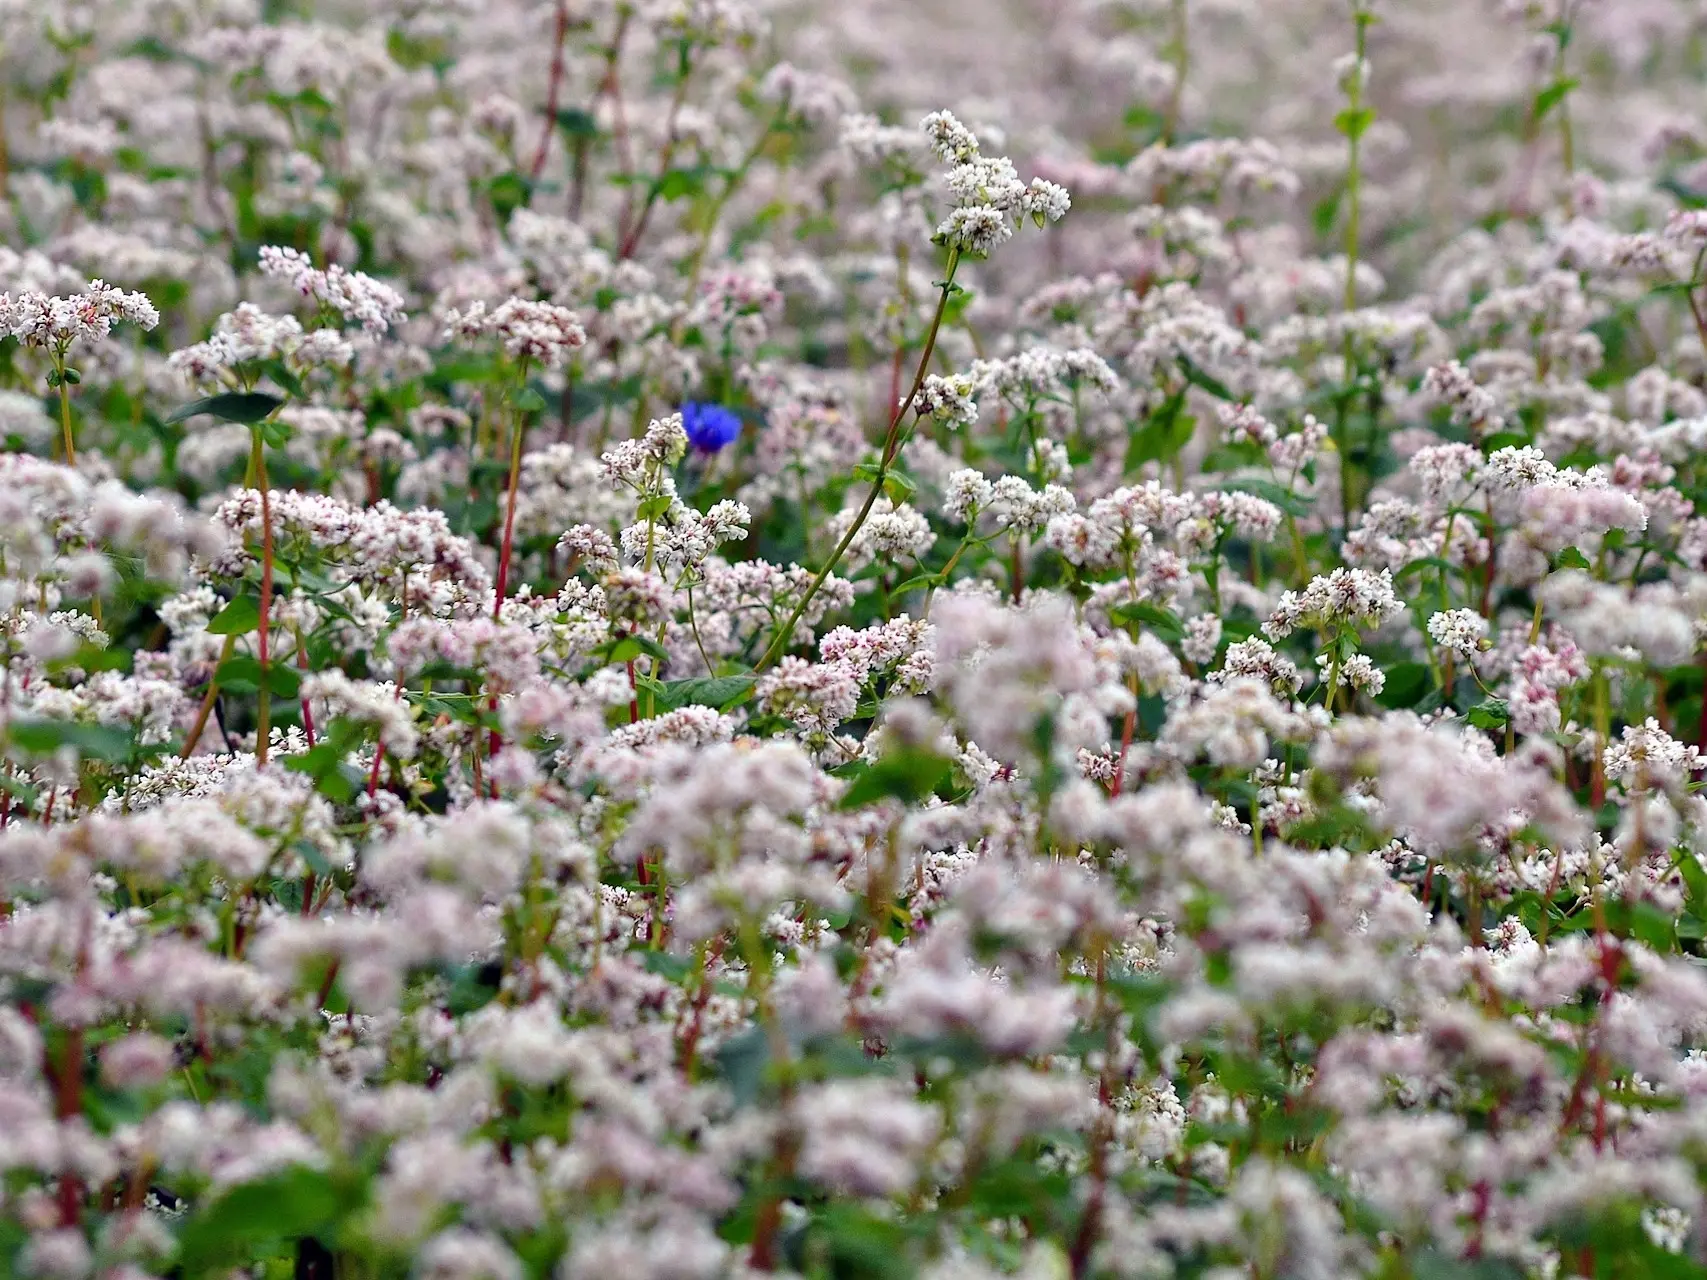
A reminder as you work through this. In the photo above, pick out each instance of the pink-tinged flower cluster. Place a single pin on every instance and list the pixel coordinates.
(354, 296)
(603, 672)
(53, 321)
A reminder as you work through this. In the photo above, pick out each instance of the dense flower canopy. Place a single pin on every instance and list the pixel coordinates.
(692, 639)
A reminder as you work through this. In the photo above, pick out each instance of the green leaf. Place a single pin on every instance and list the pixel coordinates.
(956, 306)
(1355, 123)
(311, 855)
(1571, 558)
(742, 1060)
(324, 762)
(91, 657)
(241, 616)
(854, 1243)
(1164, 433)
(678, 183)
(576, 123)
(1231, 457)
(721, 692)
(1337, 824)
(1686, 196)
(1504, 440)
(26, 793)
(628, 648)
(909, 774)
(1163, 621)
(665, 965)
(1489, 713)
(898, 486)
(293, 1203)
(1695, 880)
(1326, 213)
(1291, 503)
(913, 584)
(1208, 382)
(508, 192)
(246, 407)
(528, 400)
(654, 508)
(1553, 95)
(276, 370)
(243, 674)
(1421, 563)
(473, 986)
(1407, 684)
(92, 741)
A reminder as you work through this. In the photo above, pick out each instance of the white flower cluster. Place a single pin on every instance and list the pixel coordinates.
(1353, 598)
(353, 295)
(989, 196)
(44, 320)
(540, 332)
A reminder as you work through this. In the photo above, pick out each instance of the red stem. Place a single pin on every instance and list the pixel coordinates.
(1701, 728)
(701, 997)
(307, 712)
(326, 984)
(895, 379)
(373, 774)
(552, 90)
(262, 729)
(495, 741)
(631, 238)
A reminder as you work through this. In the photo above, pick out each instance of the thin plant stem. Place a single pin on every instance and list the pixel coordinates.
(779, 642)
(735, 179)
(69, 440)
(553, 90)
(655, 188)
(506, 550)
(517, 431)
(263, 697)
(1180, 47)
(206, 709)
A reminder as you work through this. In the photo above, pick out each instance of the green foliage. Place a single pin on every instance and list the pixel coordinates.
(245, 407)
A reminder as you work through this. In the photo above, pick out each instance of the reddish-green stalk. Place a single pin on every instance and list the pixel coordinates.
(307, 711)
(730, 185)
(263, 698)
(553, 89)
(654, 189)
(518, 430)
(60, 381)
(610, 85)
(891, 446)
(251, 477)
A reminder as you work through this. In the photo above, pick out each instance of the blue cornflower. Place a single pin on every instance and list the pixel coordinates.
(710, 427)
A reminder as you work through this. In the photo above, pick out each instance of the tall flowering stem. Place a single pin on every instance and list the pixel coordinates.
(263, 698)
(891, 446)
(518, 429)
(635, 227)
(61, 379)
(1352, 122)
(1179, 45)
(559, 35)
(730, 185)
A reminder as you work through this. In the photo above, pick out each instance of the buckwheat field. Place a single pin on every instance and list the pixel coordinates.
(703, 639)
